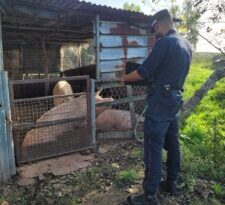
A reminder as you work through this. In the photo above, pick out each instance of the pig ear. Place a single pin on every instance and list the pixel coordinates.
(98, 92)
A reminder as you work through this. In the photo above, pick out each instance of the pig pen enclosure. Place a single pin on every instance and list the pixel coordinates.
(43, 128)
(104, 40)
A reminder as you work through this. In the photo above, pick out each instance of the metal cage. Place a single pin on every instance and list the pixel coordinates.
(42, 130)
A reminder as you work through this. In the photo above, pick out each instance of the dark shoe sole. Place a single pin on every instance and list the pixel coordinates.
(164, 188)
(141, 200)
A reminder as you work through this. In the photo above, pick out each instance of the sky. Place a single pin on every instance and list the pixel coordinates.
(202, 45)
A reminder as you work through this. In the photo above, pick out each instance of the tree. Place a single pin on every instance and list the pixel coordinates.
(131, 7)
(192, 14)
(190, 22)
(213, 15)
(188, 13)
(190, 105)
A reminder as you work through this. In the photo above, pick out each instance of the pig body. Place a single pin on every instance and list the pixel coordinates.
(65, 108)
(115, 120)
(73, 109)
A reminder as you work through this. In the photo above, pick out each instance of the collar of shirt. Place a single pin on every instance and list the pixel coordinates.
(171, 31)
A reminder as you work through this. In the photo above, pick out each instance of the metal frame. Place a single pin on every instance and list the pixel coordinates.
(7, 158)
(97, 47)
(90, 115)
(131, 99)
(109, 78)
(93, 114)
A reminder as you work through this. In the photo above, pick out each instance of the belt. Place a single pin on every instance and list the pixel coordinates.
(165, 90)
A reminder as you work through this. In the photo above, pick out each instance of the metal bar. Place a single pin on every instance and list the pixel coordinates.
(137, 25)
(124, 100)
(21, 161)
(122, 34)
(4, 158)
(12, 105)
(33, 81)
(1, 49)
(97, 50)
(115, 135)
(118, 135)
(88, 106)
(138, 58)
(46, 97)
(109, 47)
(42, 29)
(131, 105)
(45, 66)
(32, 125)
(93, 115)
(10, 143)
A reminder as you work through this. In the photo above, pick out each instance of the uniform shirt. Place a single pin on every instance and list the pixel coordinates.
(169, 61)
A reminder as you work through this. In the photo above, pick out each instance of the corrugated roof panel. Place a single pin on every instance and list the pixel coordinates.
(106, 12)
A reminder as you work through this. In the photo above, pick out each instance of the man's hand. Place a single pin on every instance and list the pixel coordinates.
(131, 77)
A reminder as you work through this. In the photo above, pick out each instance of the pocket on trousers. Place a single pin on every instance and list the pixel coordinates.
(164, 109)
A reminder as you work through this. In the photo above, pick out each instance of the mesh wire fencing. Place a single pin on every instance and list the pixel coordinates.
(42, 129)
(123, 111)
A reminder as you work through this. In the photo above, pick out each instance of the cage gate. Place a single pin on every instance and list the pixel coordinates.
(125, 110)
(42, 130)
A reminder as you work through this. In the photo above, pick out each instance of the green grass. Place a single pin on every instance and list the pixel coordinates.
(198, 74)
(126, 177)
(203, 134)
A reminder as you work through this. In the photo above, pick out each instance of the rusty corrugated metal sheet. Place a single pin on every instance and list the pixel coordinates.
(121, 28)
(124, 41)
(119, 43)
(116, 65)
(123, 53)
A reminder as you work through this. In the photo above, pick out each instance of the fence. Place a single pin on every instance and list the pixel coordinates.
(123, 112)
(42, 130)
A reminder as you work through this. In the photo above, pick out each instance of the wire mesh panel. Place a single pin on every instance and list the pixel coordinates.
(139, 94)
(51, 125)
(122, 113)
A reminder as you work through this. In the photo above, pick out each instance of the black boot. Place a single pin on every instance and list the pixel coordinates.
(143, 200)
(169, 187)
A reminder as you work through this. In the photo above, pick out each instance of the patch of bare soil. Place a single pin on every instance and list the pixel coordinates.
(115, 172)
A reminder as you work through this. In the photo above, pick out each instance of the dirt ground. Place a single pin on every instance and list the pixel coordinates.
(113, 173)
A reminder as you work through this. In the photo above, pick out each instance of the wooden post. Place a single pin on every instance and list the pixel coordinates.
(45, 66)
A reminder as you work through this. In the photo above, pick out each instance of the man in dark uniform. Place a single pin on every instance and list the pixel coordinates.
(167, 66)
